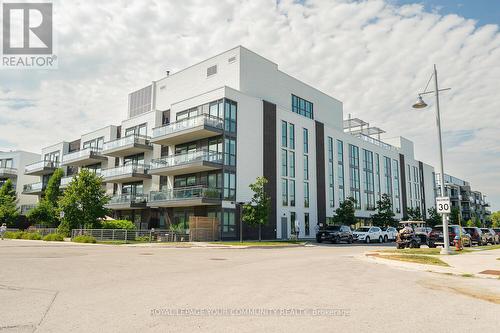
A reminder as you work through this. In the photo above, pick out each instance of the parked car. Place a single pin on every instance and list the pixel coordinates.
(335, 234)
(436, 235)
(476, 235)
(496, 235)
(497, 232)
(368, 234)
(390, 233)
(489, 235)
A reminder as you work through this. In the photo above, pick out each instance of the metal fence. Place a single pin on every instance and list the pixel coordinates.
(132, 236)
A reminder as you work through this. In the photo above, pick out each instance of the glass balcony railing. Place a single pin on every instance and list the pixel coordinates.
(40, 165)
(83, 153)
(124, 170)
(35, 187)
(186, 193)
(127, 198)
(186, 158)
(184, 124)
(65, 181)
(8, 171)
(125, 141)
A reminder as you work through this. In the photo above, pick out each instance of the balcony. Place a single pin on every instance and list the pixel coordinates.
(84, 157)
(41, 168)
(127, 201)
(129, 145)
(35, 188)
(125, 173)
(186, 130)
(8, 172)
(185, 197)
(191, 162)
(26, 208)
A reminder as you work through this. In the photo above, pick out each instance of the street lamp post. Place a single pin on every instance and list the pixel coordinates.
(419, 105)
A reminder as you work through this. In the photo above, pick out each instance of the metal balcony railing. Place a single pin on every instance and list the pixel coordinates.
(40, 165)
(181, 125)
(185, 193)
(125, 141)
(186, 158)
(127, 198)
(124, 170)
(86, 152)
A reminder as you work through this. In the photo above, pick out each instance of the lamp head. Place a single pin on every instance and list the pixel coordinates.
(419, 104)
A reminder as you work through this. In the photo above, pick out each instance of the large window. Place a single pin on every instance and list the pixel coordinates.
(136, 130)
(53, 156)
(305, 134)
(369, 180)
(230, 116)
(377, 177)
(230, 151)
(307, 228)
(284, 192)
(284, 163)
(284, 134)
(340, 173)
(291, 162)
(331, 183)
(137, 159)
(215, 109)
(395, 172)
(302, 107)
(134, 188)
(94, 143)
(229, 185)
(387, 176)
(355, 176)
(228, 224)
(306, 194)
(288, 163)
(291, 189)
(291, 131)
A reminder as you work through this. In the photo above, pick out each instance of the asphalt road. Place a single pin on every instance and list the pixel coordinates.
(49, 287)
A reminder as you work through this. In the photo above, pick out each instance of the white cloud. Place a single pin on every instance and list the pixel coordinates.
(372, 55)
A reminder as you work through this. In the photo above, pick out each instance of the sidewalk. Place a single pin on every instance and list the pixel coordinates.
(466, 264)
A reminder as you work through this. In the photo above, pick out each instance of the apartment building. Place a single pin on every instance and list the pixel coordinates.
(12, 166)
(194, 140)
(471, 203)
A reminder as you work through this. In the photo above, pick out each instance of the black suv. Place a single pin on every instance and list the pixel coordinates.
(335, 234)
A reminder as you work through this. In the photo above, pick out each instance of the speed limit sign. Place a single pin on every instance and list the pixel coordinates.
(443, 205)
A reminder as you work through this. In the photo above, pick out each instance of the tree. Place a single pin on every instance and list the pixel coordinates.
(344, 215)
(384, 215)
(414, 214)
(82, 203)
(257, 211)
(9, 213)
(474, 222)
(434, 217)
(46, 212)
(495, 219)
(454, 216)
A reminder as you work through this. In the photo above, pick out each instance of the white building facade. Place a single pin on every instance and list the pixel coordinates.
(194, 141)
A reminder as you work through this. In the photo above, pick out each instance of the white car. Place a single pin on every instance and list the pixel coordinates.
(369, 234)
(389, 233)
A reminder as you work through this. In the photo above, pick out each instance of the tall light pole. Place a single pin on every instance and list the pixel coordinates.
(419, 105)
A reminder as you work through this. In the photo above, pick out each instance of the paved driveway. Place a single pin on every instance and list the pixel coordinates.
(99, 288)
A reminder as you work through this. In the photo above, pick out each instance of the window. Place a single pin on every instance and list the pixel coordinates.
(293, 217)
(136, 130)
(306, 194)
(369, 180)
(331, 184)
(284, 135)
(307, 228)
(229, 151)
(185, 180)
(395, 171)
(137, 159)
(355, 176)
(95, 144)
(306, 167)
(377, 177)
(284, 192)
(340, 157)
(133, 188)
(212, 70)
(139, 101)
(228, 224)
(291, 130)
(292, 192)
(302, 107)
(53, 156)
(291, 156)
(305, 134)
(229, 185)
(284, 163)
(215, 109)
(230, 116)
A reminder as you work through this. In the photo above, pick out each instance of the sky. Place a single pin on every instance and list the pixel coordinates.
(375, 56)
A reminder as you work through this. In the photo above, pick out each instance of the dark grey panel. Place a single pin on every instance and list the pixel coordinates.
(404, 194)
(320, 172)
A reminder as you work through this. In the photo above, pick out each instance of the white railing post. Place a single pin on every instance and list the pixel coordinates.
(113, 235)
(126, 239)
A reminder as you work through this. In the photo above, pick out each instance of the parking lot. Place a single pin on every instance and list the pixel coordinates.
(67, 287)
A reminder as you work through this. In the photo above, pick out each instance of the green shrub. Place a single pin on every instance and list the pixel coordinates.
(84, 239)
(31, 236)
(144, 238)
(118, 224)
(13, 234)
(54, 238)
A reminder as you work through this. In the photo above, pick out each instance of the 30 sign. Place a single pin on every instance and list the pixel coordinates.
(443, 205)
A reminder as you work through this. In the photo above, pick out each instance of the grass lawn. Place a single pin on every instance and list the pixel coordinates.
(413, 251)
(419, 259)
(120, 242)
(262, 243)
(487, 247)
